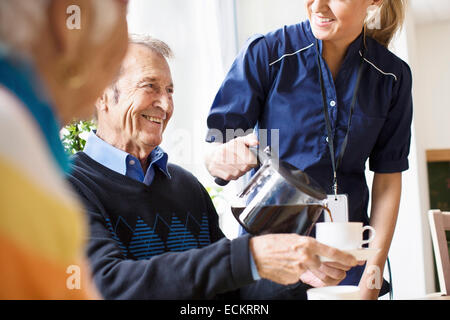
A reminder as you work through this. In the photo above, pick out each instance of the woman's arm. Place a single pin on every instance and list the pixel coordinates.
(386, 191)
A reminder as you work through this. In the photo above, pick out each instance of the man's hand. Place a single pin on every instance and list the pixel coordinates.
(231, 160)
(288, 258)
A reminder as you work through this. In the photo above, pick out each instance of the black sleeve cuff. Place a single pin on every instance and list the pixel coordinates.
(240, 262)
(391, 166)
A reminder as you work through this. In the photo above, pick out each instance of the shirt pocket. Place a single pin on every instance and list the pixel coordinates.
(364, 131)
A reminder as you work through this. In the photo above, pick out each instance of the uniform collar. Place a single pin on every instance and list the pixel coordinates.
(352, 50)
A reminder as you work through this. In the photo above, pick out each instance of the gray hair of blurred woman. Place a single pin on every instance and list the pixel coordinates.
(76, 65)
(20, 21)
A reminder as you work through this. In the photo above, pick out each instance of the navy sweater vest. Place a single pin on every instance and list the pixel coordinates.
(157, 242)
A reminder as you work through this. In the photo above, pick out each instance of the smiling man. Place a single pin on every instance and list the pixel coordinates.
(154, 230)
(134, 112)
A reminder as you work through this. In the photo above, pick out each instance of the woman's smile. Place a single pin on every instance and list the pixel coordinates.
(322, 22)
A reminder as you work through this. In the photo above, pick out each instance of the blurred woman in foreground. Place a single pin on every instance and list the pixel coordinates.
(56, 58)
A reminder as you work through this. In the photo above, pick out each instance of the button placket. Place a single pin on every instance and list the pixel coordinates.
(333, 114)
(330, 93)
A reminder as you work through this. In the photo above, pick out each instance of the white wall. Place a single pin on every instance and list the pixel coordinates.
(262, 16)
(432, 84)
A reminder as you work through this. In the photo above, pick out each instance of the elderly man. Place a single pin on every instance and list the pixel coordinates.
(154, 229)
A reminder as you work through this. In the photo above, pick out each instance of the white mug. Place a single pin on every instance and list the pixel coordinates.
(343, 235)
(334, 293)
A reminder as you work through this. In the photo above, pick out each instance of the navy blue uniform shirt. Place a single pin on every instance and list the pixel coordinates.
(274, 84)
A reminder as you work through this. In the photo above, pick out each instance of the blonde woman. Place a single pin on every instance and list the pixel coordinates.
(338, 97)
(56, 58)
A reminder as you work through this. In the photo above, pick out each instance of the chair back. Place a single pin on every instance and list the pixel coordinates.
(439, 223)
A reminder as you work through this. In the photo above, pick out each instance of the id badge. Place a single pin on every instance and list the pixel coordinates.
(338, 205)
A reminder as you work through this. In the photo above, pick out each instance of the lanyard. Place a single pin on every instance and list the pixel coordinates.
(337, 163)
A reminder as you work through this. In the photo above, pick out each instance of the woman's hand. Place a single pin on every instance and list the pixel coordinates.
(231, 160)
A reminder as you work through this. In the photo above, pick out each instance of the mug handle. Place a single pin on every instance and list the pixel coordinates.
(372, 235)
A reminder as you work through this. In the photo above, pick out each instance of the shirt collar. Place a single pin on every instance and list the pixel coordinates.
(116, 159)
(160, 159)
(106, 154)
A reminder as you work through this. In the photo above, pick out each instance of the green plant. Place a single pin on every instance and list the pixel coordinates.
(74, 135)
(215, 194)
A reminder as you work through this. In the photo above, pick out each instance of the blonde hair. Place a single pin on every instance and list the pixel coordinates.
(386, 21)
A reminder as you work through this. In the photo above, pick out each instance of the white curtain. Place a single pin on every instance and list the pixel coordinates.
(202, 34)
(203, 37)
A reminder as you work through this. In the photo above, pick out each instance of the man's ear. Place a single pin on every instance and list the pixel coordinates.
(102, 102)
(70, 22)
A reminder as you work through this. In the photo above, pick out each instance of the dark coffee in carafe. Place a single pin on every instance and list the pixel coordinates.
(279, 198)
(297, 218)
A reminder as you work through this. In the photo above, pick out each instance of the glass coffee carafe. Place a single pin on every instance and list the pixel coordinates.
(279, 198)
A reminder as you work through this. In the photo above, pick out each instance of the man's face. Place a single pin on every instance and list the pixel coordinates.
(144, 103)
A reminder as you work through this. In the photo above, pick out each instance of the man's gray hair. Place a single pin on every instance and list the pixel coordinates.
(154, 44)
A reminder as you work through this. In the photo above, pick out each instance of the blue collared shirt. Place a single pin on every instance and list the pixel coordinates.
(123, 162)
(274, 84)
